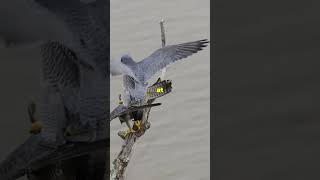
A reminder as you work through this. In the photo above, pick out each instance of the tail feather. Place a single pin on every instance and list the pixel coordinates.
(160, 88)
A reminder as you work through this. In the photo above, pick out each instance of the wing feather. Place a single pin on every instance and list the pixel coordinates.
(61, 74)
(167, 55)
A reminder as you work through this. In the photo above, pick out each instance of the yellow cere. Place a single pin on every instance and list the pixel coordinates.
(160, 90)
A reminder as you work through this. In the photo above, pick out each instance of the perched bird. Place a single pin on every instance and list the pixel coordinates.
(125, 113)
(136, 74)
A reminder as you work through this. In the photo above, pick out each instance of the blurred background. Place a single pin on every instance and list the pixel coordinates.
(176, 147)
(22, 28)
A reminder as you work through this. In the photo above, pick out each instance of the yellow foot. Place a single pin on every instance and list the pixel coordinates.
(35, 127)
(128, 131)
(124, 134)
(137, 125)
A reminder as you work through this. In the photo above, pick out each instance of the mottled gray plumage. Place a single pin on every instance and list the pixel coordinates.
(125, 111)
(88, 27)
(61, 84)
(75, 69)
(75, 86)
(133, 91)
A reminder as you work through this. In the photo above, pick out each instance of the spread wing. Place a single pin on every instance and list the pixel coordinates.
(167, 55)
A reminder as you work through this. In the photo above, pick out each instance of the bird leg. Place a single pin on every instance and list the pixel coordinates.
(135, 128)
(128, 124)
(137, 125)
(36, 125)
(129, 130)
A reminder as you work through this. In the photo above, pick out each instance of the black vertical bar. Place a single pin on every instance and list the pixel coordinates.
(267, 90)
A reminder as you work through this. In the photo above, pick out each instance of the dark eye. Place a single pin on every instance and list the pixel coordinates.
(122, 60)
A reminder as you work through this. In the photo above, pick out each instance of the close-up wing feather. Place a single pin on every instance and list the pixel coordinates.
(128, 82)
(60, 69)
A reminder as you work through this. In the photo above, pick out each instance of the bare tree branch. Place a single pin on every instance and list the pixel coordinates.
(121, 162)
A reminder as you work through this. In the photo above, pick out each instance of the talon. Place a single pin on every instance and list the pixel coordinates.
(35, 127)
(128, 131)
(137, 125)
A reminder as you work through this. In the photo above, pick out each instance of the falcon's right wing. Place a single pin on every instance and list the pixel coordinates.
(162, 57)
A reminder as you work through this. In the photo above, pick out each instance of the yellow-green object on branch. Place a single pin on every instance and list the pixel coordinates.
(160, 88)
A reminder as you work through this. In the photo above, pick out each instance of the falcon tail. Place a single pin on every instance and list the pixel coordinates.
(160, 88)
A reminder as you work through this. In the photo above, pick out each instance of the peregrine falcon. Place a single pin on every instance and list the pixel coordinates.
(75, 72)
(136, 74)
